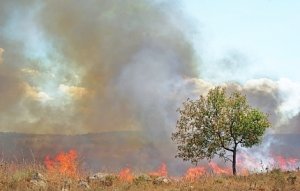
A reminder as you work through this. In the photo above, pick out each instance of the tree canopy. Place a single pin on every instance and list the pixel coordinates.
(216, 124)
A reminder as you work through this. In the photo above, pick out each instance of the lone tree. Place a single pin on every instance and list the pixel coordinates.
(216, 124)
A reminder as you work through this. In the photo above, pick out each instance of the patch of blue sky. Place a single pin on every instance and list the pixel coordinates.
(37, 48)
(21, 27)
(264, 31)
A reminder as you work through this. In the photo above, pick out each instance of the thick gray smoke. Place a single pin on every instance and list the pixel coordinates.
(92, 66)
(76, 67)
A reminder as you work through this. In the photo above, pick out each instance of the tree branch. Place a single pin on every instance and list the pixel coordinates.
(226, 158)
(222, 143)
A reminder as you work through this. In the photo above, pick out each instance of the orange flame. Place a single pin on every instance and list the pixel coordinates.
(194, 173)
(65, 163)
(161, 171)
(49, 163)
(286, 163)
(243, 171)
(126, 175)
(218, 170)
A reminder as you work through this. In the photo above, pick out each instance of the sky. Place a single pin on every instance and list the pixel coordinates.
(264, 32)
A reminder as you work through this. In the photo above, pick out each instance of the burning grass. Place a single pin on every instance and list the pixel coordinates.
(25, 177)
(62, 172)
(64, 163)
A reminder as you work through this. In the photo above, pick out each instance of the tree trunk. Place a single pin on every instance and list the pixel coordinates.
(234, 160)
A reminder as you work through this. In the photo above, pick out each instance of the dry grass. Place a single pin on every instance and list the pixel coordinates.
(19, 177)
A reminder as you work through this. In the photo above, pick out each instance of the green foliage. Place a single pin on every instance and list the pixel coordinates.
(217, 123)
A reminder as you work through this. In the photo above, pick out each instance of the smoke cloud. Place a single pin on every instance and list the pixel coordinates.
(1, 52)
(76, 67)
(94, 66)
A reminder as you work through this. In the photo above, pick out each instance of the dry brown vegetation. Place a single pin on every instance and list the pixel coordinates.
(36, 177)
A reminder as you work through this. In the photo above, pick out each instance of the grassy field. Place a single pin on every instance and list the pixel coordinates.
(37, 177)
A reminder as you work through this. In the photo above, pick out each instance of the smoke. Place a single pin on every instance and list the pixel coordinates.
(228, 68)
(76, 67)
(94, 66)
(292, 126)
(1, 52)
(280, 100)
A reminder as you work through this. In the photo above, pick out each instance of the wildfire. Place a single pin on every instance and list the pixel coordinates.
(65, 163)
(126, 175)
(272, 161)
(161, 171)
(194, 173)
(286, 163)
(218, 170)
